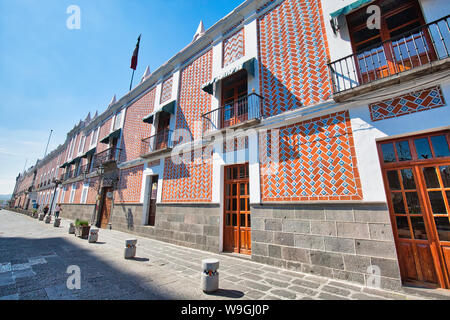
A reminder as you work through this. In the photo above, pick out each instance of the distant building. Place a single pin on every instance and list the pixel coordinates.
(342, 167)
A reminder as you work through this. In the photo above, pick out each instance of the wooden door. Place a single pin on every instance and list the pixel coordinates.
(234, 101)
(106, 204)
(237, 217)
(162, 136)
(152, 199)
(416, 173)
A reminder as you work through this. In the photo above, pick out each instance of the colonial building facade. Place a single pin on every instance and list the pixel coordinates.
(292, 131)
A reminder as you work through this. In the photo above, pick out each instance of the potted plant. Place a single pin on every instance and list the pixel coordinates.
(82, 228)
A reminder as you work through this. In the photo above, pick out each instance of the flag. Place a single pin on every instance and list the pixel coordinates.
(134, 59)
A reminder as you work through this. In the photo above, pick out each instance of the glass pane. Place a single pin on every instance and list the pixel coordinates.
(403, 227)
(228, 220)
(388, 152)
(234, 220)
(234, 206)
(243, 205)
(403, 151)
(242, 220)
(242, 189)
(423, 149)
(437, 202)
(431, 177)
(394, 181)
(443, 228)
(235, 173)
(412, 199)
(234, 193)
(440, 146)
(397, 202)
(227, 205)
(418, 226)
(445, 175)
(248, 203)
(249, 220)
(408, 179)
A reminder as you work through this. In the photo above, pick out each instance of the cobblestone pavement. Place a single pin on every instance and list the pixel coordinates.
(34, 257)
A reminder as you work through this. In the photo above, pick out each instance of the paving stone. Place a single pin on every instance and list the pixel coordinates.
(277, 283)
(337, 291)
(254, 294)
(10, 297)
(362, 296)
(256, 285)
(252, 276)
(6, 279)
(384, 294)
(284, 293)
(23, 273)
(317, 279)
(303, 290)
(5, 267)
(39, 294)
(328, 296)
(306, 283)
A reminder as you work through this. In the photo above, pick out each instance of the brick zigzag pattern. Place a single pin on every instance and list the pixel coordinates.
(317, 162)
(129, 188)
(293, 56)
(166, 90)
(233, 48)
(418, 101)
(188, 182)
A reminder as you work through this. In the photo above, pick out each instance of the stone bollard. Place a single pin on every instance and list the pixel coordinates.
(41, 217)
(57, 222)
(210, 275)
(48, 218)
(72, 228)
(130, 248)
(93, 235)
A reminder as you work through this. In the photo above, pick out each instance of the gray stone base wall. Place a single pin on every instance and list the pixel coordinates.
(191, 225)
(77, 211)
(337, 241)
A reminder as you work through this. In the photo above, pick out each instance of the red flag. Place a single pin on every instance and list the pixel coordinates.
(134, 59)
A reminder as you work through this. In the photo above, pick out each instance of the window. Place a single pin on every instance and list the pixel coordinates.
(81, 146)
(94, 137)
(118, 121)
(72, 193)
(63, 195)
(85, 192)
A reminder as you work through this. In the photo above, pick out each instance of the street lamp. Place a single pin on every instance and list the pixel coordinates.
(57, 183)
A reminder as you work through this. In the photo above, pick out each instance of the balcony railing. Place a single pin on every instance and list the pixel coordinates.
(234, 113)
(109, 155)
(160, 141)
(415, 48)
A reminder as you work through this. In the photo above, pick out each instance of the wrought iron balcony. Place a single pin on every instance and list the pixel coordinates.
(419, 47)
(159, 142)
(107, 156)
(232, 114)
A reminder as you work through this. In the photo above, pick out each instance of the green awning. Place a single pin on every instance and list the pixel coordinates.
(248, 65)
(73, 161)
(114, 134)
(88, 153)
(351, 7)
(65, 164)
(169, 108)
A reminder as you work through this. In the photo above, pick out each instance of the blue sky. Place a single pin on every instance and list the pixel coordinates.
(51, 77)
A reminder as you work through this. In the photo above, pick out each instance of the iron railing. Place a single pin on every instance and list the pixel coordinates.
(417, 47)
(233, 113)
(109, 155)
(160, 141)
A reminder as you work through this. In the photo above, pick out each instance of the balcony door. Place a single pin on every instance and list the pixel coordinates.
(234, 99)
(416, 173)
(162, 135)
(398, 46)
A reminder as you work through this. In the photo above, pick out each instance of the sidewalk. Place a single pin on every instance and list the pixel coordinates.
(34, 257)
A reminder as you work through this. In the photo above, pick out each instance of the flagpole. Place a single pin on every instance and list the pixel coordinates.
(132, 76)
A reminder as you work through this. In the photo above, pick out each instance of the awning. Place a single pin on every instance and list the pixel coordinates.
(65, 164)
(248, 65)
(73, 161)
(88, 153)
(169, 108)
(114, 134)
(351, 7)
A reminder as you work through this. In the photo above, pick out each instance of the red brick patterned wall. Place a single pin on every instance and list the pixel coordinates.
(166, 90)
(193, 101)
(92, 191)
(413, 102)
(134, 129)
(104, 131)
(293, 56)
(188, 182)
(129, 187)
(233, 48)
(317, 161)
(78, 191)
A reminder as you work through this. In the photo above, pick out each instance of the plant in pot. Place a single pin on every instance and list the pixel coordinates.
(82, 228)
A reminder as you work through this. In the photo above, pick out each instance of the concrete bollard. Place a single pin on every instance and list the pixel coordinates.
(48, 219)
(57, 222)
(210, 275)
(130, 248)
(71, 228)
(41, 217)
(93, 235)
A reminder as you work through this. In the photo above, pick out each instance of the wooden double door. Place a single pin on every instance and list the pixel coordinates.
(416, 173)
(105, 207)
(237, 217)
